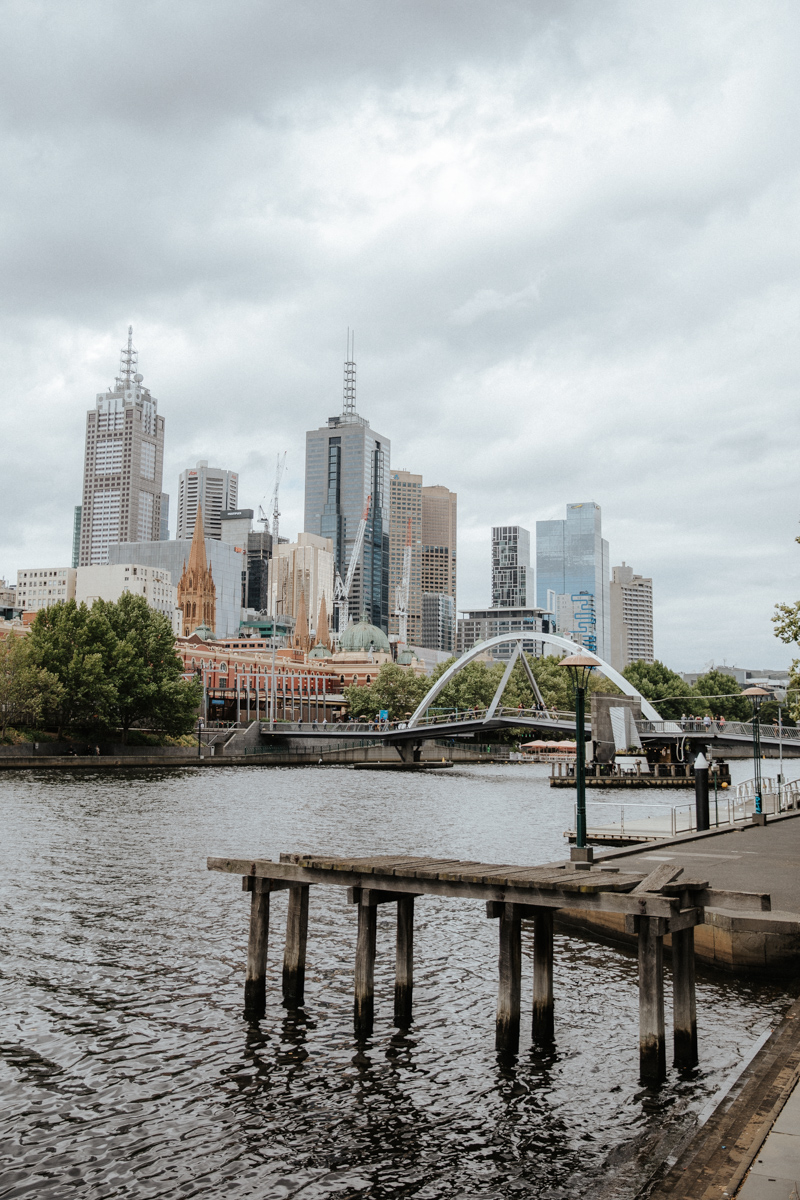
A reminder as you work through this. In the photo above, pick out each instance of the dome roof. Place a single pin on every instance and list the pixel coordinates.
(363, 637)
(320, 651)
(405, 658)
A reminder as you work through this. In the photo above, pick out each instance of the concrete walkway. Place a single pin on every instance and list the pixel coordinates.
(775, 1173)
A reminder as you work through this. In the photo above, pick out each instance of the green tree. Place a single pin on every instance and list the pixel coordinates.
(78, 647)
(26, 692)
(149, 687)
(787, 629)
(670, 695)
(729, 702)
(395, 689)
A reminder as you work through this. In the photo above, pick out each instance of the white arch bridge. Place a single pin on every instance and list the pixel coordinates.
(421, 726)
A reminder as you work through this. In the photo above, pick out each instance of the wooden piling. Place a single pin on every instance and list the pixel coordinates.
(294, 955)
(404, 962)
(510, 986)
(684, 1009)
(364, 1003)
(255, 985)
(543, 1024)
(652, 1051)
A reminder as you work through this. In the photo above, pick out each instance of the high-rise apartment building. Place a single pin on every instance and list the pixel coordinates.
(347, 474)
(438, 567)
(123, 465)
(405, 525)
(304, 567)
(213, 488)
(44, 586)
(631, 618)
(511, 564)
(572, 576)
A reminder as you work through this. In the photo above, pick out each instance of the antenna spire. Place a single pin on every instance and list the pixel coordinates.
(350, 376)
(128, 361)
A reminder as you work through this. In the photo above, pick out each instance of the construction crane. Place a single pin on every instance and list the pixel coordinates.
(401, 593)
(281, 467)
(341, 593)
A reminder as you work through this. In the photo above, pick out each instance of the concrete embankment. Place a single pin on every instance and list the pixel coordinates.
(750, 858)
(750, 1144)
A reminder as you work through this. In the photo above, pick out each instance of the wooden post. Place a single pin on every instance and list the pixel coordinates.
(404, 962)
(294, 955)
(652, 1052)
(684, 1010)
(510, 988)
(364, 1004)
(255, 986)
(543, 1026)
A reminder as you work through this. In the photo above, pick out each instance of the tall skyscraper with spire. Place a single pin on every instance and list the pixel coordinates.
(347, 475)
(123, 465)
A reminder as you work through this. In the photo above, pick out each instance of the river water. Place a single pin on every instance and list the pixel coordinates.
(127, 1069)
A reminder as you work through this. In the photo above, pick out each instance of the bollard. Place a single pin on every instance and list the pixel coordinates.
(701, 792)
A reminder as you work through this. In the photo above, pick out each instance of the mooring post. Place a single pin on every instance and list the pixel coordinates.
(684, 1009)
(510, 986)
(294, 955)
(652, 1050)
(255, 985)
(364, 1004)
(404, 962)
(543, 1025)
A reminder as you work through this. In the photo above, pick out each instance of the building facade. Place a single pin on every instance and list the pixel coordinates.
(631, 618)
(511, 564)
(438, 567)
(302, 568)
(346, 476)
(482, 624)
(112, 581)
(45, 586)
(405, 528)
(226, 562)
(197, 592)
(212, 487)
(123, 465)
(572, 562)
(76, 535)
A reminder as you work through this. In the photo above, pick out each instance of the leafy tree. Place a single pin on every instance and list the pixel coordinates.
(78, 647)
(655, 682)
(769, 715)
(729, 703)
(26, 691)
(396, 689)
(787, 629)
(149, 687)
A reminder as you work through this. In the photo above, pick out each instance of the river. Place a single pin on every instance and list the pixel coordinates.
(128, 1071)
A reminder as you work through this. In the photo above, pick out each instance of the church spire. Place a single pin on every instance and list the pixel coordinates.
(197, 554)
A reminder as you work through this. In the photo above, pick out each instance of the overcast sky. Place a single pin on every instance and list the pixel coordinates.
(565, 234)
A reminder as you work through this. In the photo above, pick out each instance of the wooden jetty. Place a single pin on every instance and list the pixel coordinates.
(653, 905)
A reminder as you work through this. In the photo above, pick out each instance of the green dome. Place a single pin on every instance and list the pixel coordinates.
(362, 637)
(320, 651)
(405, 658)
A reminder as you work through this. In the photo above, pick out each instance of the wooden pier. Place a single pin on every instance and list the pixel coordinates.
(653, 905)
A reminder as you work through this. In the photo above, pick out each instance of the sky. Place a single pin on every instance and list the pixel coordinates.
(565, 235)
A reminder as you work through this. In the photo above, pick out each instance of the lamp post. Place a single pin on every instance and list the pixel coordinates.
(200, 727)
(580, 667)
(780, 695)
(756, 697)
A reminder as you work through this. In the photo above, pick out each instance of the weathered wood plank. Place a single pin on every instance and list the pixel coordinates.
(509, 992)
(255, 982)
(364, 1000)
(652, 1050)
(294, 955)
(664, 873)
(684, 1004)
(404, 963)
(741, 901)
(543, 1019)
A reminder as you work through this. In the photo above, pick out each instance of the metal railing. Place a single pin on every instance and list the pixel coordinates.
(715, 728)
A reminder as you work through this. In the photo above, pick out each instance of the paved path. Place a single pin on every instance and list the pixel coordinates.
(775, 1173)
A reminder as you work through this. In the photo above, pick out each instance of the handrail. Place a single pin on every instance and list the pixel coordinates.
(719, 728)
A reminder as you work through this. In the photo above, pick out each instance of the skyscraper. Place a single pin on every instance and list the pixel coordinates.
(406, 521)
(631, 618)
(511, 562)
(572, 576)
(123, 463)
(347, 474)
(213, 488)
(438, 567)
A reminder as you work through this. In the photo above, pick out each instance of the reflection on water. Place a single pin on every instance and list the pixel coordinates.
(126, 1068)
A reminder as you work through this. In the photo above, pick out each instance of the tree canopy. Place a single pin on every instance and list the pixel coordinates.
(26, 690)
(724, 697)
(655, 681)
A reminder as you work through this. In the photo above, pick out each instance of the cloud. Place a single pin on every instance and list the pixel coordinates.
(565, 235)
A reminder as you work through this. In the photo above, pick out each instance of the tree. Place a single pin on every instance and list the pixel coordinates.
(669, 694)
(729, 702)
(396, 689)
(787, 629)
(78, 647)
(26, 691)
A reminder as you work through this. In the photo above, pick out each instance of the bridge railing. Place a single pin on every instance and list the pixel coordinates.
(717, 728)
(480, 714)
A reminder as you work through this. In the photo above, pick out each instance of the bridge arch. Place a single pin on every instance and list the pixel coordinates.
(552, 639)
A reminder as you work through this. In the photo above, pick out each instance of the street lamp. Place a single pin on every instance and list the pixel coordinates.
(580, 667)
(200, 728)
(756, 697)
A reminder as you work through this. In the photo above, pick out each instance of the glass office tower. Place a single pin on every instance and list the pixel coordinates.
(572, 563)
(347, 463)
